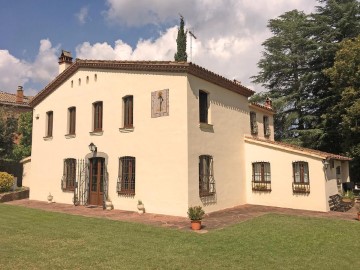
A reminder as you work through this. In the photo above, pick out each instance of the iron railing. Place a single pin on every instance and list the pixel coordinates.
(261, 186)
(301, 188)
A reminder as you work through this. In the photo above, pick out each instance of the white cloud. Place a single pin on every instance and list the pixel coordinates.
(162, 48)
(82, 15)
(16, 72)
(229, 32)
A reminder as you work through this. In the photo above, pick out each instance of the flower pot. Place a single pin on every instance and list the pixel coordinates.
(196, 225)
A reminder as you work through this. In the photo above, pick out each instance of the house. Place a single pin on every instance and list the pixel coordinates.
(171, 134)
(14, 104)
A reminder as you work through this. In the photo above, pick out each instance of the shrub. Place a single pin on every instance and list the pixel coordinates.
(6, 181)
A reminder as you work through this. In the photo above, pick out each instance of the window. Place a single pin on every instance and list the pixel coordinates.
(206, 176)
(253, 123)
(49, 124)
(68, 181)
(266, 126)
(98, 115)
(72, 120)
(128, 111)
(126, 179)
(261, 177)
(301, 177)
(203, 106)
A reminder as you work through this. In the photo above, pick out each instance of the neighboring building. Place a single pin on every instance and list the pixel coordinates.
(14, 104)
(171, 134)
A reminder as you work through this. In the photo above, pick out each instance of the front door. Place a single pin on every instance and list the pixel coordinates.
(97, 171)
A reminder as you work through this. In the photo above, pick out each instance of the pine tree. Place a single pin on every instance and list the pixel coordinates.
(283, 73)
(181, 55)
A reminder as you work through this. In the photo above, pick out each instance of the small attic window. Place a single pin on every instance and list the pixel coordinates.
(95, 77)
(87, 79)
(72, 84)
(79, 81)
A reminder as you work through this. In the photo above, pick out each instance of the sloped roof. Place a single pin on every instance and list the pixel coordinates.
(150, 66)
(298, 149)
(10, 99)
(255, 104)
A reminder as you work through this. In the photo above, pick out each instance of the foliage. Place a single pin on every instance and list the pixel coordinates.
(8, 128)
(195, 213)
(23, 149)
(345, 81)
(60, 241)
(181, 54)
(6, 181)
(283, 72)
(295, 70)
(334, 21)
(140, 202)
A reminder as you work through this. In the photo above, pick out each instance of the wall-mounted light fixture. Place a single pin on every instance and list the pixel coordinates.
(325, 163)
(92, 147)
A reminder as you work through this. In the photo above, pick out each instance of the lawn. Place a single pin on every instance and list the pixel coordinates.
(35, 239)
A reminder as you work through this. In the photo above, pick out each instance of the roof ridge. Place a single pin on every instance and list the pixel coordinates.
(300, 148)
(143, 65)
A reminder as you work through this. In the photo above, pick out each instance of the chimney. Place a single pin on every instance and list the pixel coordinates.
(65, 60)
(20, 95)
(268, 103)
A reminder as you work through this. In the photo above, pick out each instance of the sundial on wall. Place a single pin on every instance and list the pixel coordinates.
(160, 103)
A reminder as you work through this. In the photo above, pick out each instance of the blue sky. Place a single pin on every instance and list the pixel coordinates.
(229, 34)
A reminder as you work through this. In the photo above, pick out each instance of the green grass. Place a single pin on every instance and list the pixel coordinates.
(35, 239)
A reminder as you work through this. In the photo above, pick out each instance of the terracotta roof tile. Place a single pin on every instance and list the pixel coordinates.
(150, 66)
(262, 106)
(8, 98)
(304, 150)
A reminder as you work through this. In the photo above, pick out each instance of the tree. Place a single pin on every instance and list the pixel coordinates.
(23, 149)
(181, 54)
(283, 72)
(334, 21)
(345, 81)
(8, 127)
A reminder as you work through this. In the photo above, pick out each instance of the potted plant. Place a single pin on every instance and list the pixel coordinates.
(195, 214)
(140, 207)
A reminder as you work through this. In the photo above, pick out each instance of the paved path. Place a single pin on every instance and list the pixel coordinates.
(212, 221)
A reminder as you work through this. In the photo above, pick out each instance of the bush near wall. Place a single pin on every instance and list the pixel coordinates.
(12, 167)
(6, 181)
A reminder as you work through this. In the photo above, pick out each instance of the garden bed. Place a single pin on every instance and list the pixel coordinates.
(21, 193)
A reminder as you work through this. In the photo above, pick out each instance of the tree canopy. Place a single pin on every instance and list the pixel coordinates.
(297, 70)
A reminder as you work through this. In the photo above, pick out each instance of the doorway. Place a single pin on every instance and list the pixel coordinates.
(97, 172)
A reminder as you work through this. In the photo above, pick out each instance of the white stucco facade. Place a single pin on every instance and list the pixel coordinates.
(166, 148)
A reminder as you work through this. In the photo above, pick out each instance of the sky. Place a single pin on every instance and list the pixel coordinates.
(229, 34)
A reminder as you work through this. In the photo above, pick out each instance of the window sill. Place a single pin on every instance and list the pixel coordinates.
(70, 136)
(126, 193)
(206, 127)
(96, 133)
(126, 129)
(47, 138)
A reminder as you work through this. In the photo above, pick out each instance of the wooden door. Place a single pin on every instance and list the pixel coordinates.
(97, 172)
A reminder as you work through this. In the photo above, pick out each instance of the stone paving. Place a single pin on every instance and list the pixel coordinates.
(212, 221)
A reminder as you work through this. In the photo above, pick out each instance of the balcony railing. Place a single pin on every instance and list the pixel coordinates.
(261, 186)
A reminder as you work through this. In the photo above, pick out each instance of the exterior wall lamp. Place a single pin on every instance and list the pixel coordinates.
(92, 147)
(325, 163)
